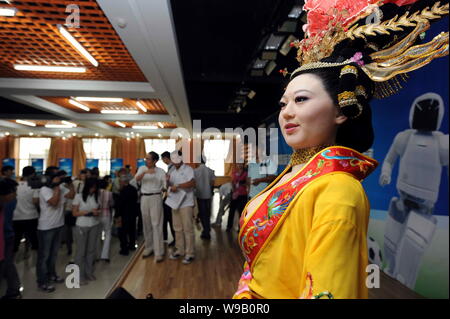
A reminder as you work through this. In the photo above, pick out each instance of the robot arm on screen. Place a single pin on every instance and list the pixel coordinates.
(396, 150)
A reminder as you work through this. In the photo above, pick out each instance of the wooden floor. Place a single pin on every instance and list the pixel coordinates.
(214, 273)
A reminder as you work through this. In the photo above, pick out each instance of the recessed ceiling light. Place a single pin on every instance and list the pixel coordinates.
(96, 134)
(6, 133)
(99, 99)
(159, 135)
(69, 123)
(141, 106)
(119, 111)
(79, 105)
(8, 12)
(144, 127)
(25, 123)
(77, 45)
(120, 124)
(45, 68)
(160, 125)
(58, 126)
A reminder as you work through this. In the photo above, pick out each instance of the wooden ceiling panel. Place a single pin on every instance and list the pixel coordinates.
(32, 37)
(154, 106)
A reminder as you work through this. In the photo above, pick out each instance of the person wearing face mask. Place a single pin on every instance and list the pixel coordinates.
(305, 235)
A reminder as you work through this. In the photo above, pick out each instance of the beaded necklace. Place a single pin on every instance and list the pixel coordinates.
(303, 155)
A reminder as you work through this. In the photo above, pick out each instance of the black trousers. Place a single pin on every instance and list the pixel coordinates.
(167, 220)
(127, 233)
(236, 204)
(139, 222)
(28, 229)
(8, 269)
(204, 212)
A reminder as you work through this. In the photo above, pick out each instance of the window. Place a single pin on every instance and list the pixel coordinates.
(160, 146)
(99, 148)
(32, 147)
(216, 152)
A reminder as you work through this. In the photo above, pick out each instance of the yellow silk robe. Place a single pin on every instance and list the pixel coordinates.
(324, 234)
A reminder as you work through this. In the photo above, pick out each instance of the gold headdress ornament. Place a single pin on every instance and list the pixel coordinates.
(388, 61)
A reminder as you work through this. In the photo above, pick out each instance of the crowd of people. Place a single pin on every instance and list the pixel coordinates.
(82, 213)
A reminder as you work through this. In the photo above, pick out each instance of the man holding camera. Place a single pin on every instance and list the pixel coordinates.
(52, 197)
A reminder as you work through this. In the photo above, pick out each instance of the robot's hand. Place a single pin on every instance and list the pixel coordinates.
(384, 179)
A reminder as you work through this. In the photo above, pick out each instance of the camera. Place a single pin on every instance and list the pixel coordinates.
(36, 182)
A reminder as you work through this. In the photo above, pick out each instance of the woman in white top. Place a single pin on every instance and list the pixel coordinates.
(106, 204)
(153, 182)
(86, 207)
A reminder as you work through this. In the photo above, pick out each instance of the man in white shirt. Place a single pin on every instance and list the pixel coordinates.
(153, 182)
(182, 183)
(25, 218)
(51, 222)
(225, 192)
(204, 183)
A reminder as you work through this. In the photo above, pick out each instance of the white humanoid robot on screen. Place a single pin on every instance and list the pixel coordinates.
(423, 151)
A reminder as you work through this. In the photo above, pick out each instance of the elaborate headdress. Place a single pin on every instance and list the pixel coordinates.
(378, 37)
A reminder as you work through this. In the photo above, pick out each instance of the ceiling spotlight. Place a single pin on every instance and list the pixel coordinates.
(25, 123)
(141, 106)
(79, 105)
(99, 99)
(258, 67)
(119, 111)
(74, 134)
(69, 123)
(8, 12)
(137, 134)
(128, 138)
(271, 48)
(57, 126)
(160, 125)
(159, 135)
(62, 132)
(96, 134)
(45, 68)
(121, 124)
(295, 12)
(31, 133)
(7, 133)
(144, 127)
(77, 45)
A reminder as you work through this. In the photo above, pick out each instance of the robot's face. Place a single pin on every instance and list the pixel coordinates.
(426, 112)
